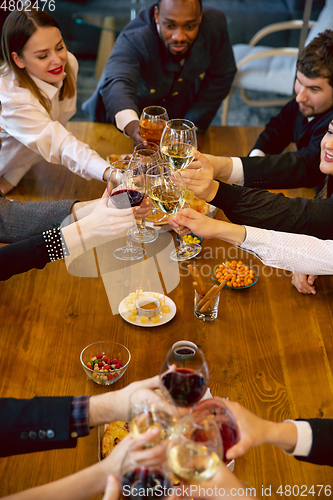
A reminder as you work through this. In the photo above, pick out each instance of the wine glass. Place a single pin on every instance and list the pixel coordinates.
(139, 480)
(149, 410)
(152, 123)
(146, 158)
(148, 145)
(216, 409)
(166, 188)
(126, 187)
(184, 375)
(178, 141)
(196, 450)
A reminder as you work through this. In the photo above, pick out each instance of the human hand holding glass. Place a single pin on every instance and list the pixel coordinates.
(126, 187)
(149, 410)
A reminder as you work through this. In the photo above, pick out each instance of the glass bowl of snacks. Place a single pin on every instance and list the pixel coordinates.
(238, 275)
(105, 362)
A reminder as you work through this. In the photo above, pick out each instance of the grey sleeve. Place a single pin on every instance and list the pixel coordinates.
(19, 221)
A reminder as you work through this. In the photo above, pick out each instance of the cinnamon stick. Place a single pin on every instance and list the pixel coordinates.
(191, 269)
(204, 302)
(199, 280)
(209, 294)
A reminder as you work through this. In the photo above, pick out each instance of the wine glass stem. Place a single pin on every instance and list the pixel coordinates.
(129, 244)
(142, 226)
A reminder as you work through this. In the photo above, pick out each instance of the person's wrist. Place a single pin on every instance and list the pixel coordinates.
(223, 167)
(98, 411)
(214, 187)
(86, 228)
(106, 174)
(132, 127)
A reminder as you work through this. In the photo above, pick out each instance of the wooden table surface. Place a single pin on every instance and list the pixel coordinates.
(271, 348)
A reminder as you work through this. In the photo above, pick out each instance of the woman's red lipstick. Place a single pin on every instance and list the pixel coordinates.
(56, 71)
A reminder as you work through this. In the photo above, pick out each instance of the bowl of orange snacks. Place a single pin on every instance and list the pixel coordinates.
(238, 275)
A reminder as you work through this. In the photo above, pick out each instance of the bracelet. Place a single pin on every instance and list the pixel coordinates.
(55, 245)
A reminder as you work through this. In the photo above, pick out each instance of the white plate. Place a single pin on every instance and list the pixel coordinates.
(165, 318)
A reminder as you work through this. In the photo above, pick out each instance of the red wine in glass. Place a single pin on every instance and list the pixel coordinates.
(224, 419)
(152, 482)
(185, 386)
(124, 198)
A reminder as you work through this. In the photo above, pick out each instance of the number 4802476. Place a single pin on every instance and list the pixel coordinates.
(27, 5)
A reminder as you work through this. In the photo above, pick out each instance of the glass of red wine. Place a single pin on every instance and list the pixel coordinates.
(126, 187)
(195, 450)
(146, 158)
(138, 480)
(216, 409)
(184, 375)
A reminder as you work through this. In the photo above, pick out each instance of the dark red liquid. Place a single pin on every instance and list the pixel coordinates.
(229, 438)
(124, 198)
(185, 386)
(153, 482)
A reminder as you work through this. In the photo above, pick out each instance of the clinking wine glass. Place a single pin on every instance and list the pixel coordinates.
(139, 480)
(166, 188)
(146, 158)
(178, 141)
(216, 409)
(184, 375)
(196, 450)
(149, 410)
(152, 123)
(126, 187)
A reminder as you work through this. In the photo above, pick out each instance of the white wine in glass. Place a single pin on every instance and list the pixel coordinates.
(195, 451)
(166, 189)
(178, 142)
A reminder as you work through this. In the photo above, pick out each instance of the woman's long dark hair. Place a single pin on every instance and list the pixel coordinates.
(17, 29)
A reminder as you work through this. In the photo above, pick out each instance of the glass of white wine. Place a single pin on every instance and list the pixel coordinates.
(166, 188)
(195, 452)
(178, 141)
(149, 410)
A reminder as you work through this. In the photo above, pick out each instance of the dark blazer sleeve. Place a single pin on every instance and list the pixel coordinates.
(19, 221)
(284, 171)
(322, 446)
(279, 131)
(22, 256)
(38, 424)
(259, 208)
(278, 170)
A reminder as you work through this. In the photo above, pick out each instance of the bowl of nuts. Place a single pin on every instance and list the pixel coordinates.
(238, 275)
(105, 362)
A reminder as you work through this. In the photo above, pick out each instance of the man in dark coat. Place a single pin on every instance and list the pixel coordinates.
(174, 54)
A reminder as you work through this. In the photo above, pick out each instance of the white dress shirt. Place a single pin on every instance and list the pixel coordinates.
(299, 253)
(29, 133)
(304, 438)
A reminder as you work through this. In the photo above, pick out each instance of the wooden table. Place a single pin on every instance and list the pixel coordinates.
(270, 348)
